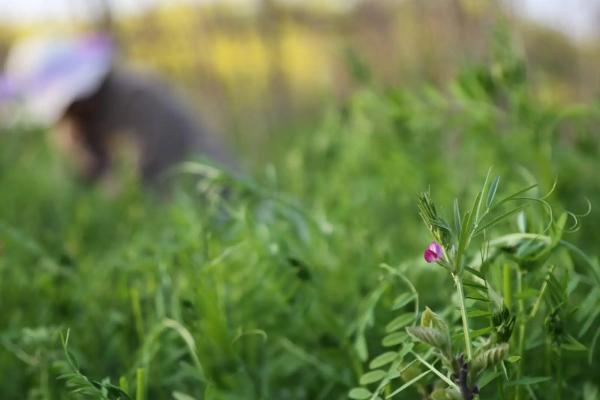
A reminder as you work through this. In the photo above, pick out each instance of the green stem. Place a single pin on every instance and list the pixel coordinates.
(536, 306)
(506, 286)
(140, 384)
(463, 313)
(435, 371)
(559, 374)
(137, 314)
(522, 322)
(45, 381)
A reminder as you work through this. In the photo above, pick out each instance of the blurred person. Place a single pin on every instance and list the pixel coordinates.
(101, 110)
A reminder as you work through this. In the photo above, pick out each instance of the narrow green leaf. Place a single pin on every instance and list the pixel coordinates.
(372, 377)
(480, 332)
(515, 195)
(526, 293)
(589, 321)
(475, 272)
(495, 297)
(477, 298)
(479, 313)
(492, 192)
(457, 222)
(182, 396)
(408, 384)
(593, 346)
(522, 222)
(407, 348)
(473, 284)
(359, 393)
(466, 231)
(529, 380)
(483, 189)
(487, 377)
(402, 300)
(531, 249)
(400, 322)
(499, 218)
(383, 359)
(360, 345)
(394, 339)
(573, 344)
(435, 371)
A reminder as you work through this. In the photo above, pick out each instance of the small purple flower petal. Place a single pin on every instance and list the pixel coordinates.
(433, 252)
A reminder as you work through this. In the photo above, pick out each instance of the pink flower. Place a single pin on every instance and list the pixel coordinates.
(433, 252)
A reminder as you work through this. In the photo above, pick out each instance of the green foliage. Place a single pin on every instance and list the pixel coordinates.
(274, 291)
(81, 385)
(487, 348)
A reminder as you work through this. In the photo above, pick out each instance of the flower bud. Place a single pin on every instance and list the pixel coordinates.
(433, 253)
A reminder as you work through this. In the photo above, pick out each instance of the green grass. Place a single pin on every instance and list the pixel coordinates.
(275, 292)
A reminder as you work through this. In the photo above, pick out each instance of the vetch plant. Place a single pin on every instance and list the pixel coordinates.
(512, 296)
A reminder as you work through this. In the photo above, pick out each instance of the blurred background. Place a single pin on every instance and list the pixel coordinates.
(260, 67)
(340, 112)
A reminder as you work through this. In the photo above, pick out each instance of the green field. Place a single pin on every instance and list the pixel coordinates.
(284, 288)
